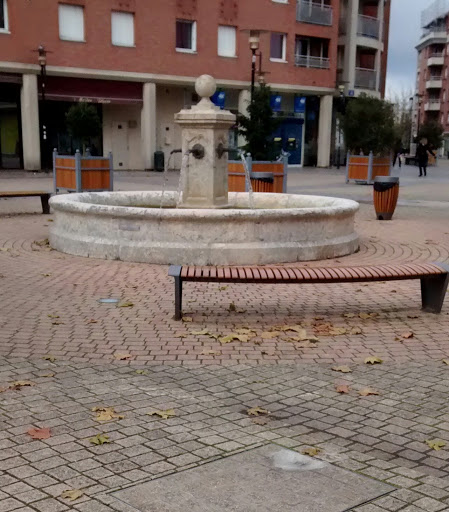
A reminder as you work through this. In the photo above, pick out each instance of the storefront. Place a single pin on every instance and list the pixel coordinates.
(10, 122)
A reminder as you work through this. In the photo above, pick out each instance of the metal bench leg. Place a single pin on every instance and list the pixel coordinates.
(178, 298)
(45, 205)
(433, 291)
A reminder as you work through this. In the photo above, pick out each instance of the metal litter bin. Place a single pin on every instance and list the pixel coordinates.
(159, 161)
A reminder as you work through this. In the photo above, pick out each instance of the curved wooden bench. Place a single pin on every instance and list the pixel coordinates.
(45, 196)
(433, 276)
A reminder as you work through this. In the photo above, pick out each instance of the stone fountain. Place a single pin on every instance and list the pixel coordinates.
(203, 224)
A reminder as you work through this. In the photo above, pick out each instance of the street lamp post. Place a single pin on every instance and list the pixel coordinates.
(42, 60)
(341, 90)
(254, 42)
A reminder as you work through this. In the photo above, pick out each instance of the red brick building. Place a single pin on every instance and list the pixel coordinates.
(137, 60)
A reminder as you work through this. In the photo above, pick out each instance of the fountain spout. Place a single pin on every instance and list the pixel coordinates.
(221, 150)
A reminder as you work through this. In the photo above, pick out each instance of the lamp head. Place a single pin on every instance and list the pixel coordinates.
(254, 39)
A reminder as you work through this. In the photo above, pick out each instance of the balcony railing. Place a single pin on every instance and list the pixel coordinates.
(305, 61)
(368, 27)
(435, 78)
(311, 12)
(365, 78)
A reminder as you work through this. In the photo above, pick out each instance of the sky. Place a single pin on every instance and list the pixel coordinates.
(405, 32)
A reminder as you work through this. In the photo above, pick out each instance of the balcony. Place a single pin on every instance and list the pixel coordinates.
(434, 82)
(366, 79)
(438, 36)
(432, 106)
(311, 12)
(436, 59)
(368, 27)
(306, 61)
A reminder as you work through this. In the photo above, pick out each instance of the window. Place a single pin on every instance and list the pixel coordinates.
(185, 36)
(3, 16)
(71, 22)
(122, 28)
(278, 47)
(226, 41)
(312, 52)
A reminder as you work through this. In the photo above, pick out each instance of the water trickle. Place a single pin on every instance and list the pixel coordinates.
(249, 186)
(182, 177)
(165, 179)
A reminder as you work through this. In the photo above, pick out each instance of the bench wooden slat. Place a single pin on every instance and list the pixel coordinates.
(220, 273)
(213, 272)
(248, 273)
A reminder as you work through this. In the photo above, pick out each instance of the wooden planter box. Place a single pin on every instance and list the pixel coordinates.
(265, 176)
(76, 173)
(363, 169)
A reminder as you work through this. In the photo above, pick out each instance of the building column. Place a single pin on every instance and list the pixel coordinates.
(378, 60)
(325, 131)
(244, 101)
(31, 141)
(352, 21)
(148, 130)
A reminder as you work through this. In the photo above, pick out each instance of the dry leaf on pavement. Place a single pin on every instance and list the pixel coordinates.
(349, 315)
(53, 316)
(446, 361)
(367, 316)
(200, 333)
(47, 375)
(165, 414)
(435, 444)
(125, 304)
(342, 369)
(255, 411)
(373, 360)
(311, 452)
(99, 439)
(368, 392)
(72, 494)
(407, 335)
(142, 372)
(187, 319)
(342, 388)
(106, 414)
(122, 357)
(356, 330)
(39, 433)
(52, 359)
(268, 335)
(18, 384)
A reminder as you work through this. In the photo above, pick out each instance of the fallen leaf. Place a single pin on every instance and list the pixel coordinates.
(435, 444)
(180, 336)
(106, 414)
(52, 359)
(187, 319)
(200, 333)
(268, 353)
(92, 321)
(337, 331)
(243, 330)
(72, 494)
(342, 369)
(39, 433)
(99, 439)
(407, 335)
(42, 243)
(210, 353)
(356, 330)
(260, 420)
(223, 288)
(397, 338)
(165, 415)
(18, 384)
(342, 388)
(319, 318)
(125, 304)
(366, 316)
(373, 360)
(446, 361)
(412, 316)
(46, 275)
(311, 452)
(255, 411)
(270, 335)
(48, 375)
(368, 392)
(49, 220)
(53, 316)
(349, 315)
(294, 328)
(232, 307)
(141, 372)
(122, 357)
(234, 336)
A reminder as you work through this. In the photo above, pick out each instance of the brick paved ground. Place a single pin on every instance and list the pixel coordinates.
(211, 385)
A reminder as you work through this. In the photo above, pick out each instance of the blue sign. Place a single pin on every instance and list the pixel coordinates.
(219, 99)
(276, 102)
(300, 104)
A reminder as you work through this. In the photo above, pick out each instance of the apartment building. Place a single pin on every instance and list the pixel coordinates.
(431, 102)
(137, 60)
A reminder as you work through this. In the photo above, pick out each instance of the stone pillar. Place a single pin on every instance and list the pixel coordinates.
(148, 129)
(325, 131)
(352, 20)
(31, 140)
(205, 130)
(244, 101)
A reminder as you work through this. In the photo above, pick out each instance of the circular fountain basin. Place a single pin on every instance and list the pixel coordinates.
(131, 226)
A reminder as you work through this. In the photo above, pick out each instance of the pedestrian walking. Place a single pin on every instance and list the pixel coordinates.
(398, 151)
(422, 156)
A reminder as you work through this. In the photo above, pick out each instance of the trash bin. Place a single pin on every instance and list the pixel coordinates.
(159, 161)
(386, 193)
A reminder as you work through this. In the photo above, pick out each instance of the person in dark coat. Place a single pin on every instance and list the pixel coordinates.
(422, 156)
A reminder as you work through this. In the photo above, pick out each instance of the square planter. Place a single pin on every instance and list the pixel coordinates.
(265, 176)
(363, 169)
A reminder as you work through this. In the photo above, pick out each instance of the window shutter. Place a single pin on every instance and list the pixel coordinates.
(122, 28)
(227, 41)
(71, 22)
